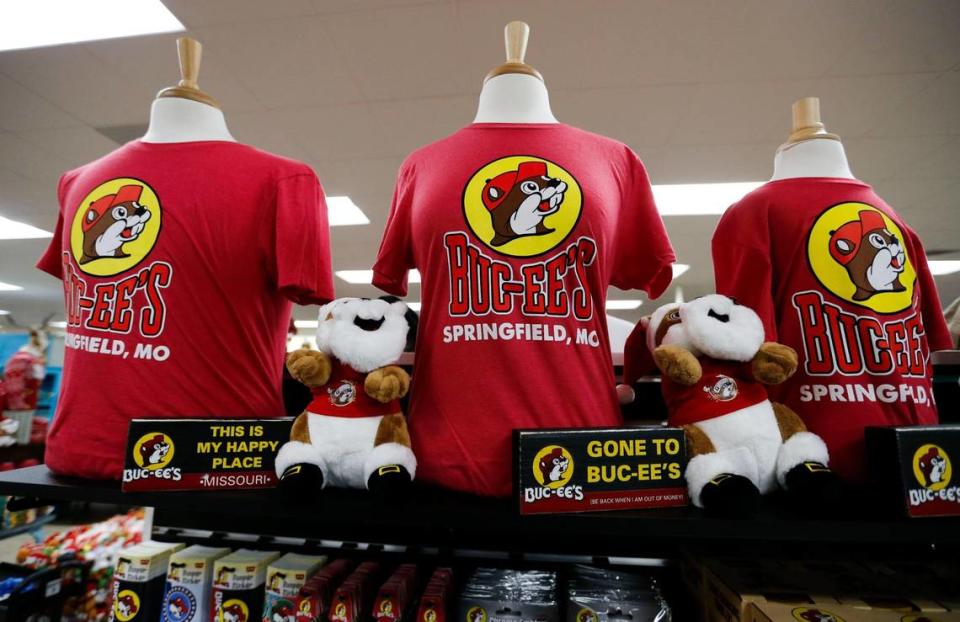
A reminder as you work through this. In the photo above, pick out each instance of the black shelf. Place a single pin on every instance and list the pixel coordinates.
(449, 521)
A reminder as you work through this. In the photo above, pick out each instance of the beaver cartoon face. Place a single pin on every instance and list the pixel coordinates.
(873, 256)
(933, 466)
(283, 613)
(520, 200)
(723, 390)
(815, 615)
(554, 465)
(225, 575)
(233, 613)
(154, 450)
(126, 606)
(343, 394)
(112, 221)
(177, 607)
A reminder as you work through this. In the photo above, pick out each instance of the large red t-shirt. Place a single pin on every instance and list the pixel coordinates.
(517, 231)
(179, 263)
(836, 274)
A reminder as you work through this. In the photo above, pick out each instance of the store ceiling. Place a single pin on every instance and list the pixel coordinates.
(701, 90)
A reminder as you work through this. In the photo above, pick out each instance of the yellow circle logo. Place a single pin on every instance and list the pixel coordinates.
(586, 615)
(931, 467)
(812, 614)
(553, 466)
(126, 606)
(858, 253)
(522, 206)
(477, 614)
(115, 227)
(430, 615)
(234, 610)
(153, 451)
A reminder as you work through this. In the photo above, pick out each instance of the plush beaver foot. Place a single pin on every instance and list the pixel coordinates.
(811, 486)
(301, 479)
(730, 496)
(391, 480)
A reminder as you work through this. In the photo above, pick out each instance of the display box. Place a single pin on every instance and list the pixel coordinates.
(139, 581)
(285, 578)
(831, 612)
(189, 581)
(594, 469)
(914, 467)
(238, 585)
(203, 454)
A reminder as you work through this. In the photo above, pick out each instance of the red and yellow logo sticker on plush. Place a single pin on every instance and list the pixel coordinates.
(115, 227)
(522, 206)
(858, 253)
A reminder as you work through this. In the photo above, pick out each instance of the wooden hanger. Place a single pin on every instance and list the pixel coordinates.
(515, 36)
(189, 51)
(806, 122)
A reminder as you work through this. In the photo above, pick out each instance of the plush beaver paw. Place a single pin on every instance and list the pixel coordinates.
(390, 481)
(730, 496)
(387, 384)
(678, 364)
(812, 486)
(301, 480)
(310, 367)
(774, 363)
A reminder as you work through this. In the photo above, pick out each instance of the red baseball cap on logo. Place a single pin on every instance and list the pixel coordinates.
(852, 233)
(497, 188)
(100, 207)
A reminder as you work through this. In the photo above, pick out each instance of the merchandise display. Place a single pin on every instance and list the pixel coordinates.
(489, 415)
(353, 434)
(837, 275)
(716, 367)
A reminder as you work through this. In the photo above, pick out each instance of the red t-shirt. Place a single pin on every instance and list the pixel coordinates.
(724, 387)
(836, 274)
(517, 231)
(179, 262)
(344, 396)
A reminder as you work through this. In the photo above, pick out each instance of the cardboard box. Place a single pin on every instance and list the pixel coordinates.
(915, 467)
(831, 612)
(139, 581)
(596, 469)
(238, 584)
(285, 578)
(189, 581)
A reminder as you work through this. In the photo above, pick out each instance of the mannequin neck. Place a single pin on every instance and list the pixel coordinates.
(514, 98)
(818, 157)
(177, 120)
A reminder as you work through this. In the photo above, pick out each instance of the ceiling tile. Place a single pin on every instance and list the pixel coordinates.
(20, 109)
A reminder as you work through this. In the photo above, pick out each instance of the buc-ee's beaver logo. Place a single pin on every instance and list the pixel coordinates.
(126, 606)
(857, 252)
(476, 614)
(522, 206)
(931, 467)
(115, 227)
(723, 389)
(553, 470)
(152, 453)
(234, 610)
(815, 614)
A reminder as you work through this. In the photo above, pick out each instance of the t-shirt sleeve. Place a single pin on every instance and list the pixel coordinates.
(302, 263)
(642, 253)
(51, 261)
(931, 311)
(743, 270)
(395, 257)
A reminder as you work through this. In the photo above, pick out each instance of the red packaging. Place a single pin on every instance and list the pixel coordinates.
(356, 594)
(395, 594)
(313, 601)
(437, 597)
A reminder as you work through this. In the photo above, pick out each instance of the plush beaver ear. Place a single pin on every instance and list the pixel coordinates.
(413, 322)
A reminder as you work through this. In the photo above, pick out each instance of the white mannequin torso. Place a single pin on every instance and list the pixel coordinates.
(178, 120)
(514, 98)
(818, 157)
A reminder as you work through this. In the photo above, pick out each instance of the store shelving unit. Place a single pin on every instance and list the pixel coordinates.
(448, 522)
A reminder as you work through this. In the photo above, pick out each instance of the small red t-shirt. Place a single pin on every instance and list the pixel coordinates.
(724, 387)
(179, 263)
(344, 396)
(836, 274)
(517, 231)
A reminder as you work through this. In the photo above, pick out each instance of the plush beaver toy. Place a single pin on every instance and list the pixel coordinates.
(353, 434)
(715, 365)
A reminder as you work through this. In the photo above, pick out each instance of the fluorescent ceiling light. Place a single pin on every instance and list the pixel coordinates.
(57, 324)
(415, 306)
(700, 199)
(940, 267)
(8, 287)
(365, 277)
(38, 23)
(4, 312)
(679, 269)
(343, 211)
(306, 323)
(623, 305)
(13, 230)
